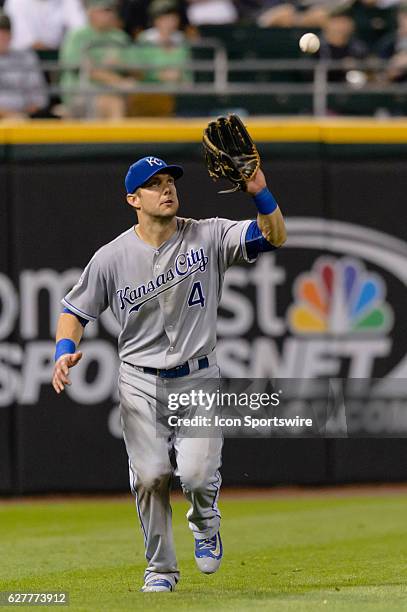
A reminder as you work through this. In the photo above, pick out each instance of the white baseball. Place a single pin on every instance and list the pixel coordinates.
(309, 43)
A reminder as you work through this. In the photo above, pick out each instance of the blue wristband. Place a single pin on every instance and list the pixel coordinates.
(64, 346)
(265, 202)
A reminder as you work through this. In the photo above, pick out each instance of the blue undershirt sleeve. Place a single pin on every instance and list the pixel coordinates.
(256, 242)
(81, 320)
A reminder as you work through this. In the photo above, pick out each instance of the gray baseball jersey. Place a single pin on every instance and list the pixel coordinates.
(165, 299)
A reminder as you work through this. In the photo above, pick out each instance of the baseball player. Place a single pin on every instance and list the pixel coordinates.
(162, 278)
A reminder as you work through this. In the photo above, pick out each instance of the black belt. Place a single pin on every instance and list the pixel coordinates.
(181, 370)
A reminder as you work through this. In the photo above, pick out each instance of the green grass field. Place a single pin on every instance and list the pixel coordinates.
(293, 553)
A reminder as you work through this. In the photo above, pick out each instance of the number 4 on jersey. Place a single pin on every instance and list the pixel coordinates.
(196, 296)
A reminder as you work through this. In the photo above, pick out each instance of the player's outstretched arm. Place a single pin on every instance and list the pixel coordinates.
(68, 336)
(271, 224)
(231, 153)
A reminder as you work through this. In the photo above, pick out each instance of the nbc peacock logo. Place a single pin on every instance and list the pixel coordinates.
(331, 303)
(339, 296)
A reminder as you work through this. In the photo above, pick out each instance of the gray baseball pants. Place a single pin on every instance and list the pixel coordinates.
(198, 461)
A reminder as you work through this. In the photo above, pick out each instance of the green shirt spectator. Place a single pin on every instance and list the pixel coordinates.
(104, 45)
(168, 62)
(164, 45)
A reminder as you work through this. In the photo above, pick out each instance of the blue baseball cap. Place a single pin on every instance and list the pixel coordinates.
(145, 168)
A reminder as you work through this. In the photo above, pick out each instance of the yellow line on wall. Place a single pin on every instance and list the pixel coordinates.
(340, 131)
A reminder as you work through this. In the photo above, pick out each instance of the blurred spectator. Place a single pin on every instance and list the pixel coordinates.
(164, 45)
(294, 14)
(204, 12)
(338, 42)
(374, 19)
(395, 49)
(164, 48)
(395, 41)
(249, 9)
(135, 15)
(101, 48)
(22, 85)
(41, 24)
(397, 70)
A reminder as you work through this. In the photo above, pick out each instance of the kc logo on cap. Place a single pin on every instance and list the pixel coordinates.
(144, 168)
(154, 160)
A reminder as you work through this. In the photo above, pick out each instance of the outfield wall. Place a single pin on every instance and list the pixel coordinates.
(341, 186)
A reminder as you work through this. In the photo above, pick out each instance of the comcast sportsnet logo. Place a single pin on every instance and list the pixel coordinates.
(339, 296)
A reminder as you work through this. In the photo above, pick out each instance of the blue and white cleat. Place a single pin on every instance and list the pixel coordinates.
(208, 554)
(158, 585)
